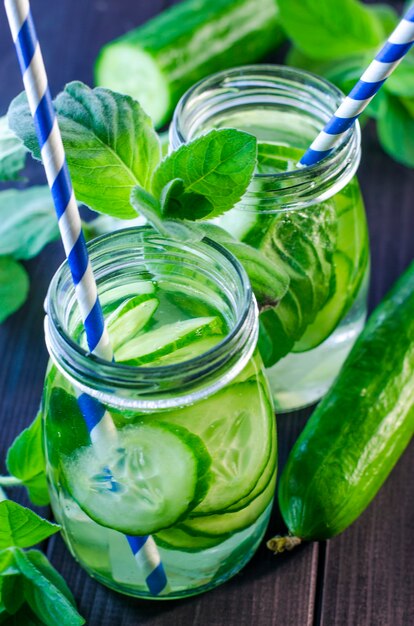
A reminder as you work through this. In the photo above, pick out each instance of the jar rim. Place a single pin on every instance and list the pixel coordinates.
(94, 375)
(341, 163)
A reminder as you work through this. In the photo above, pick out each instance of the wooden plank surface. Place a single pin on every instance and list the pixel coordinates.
(364, 577)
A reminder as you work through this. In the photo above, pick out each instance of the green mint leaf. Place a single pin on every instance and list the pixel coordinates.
(177, 202)
(46, 598)
(401, 81)
(396, 130)
(26, 460)
(21, 527)
(268, 278)
(39, 560)
(387, 16)
(12, 152)
(145, 204)
(27, 221)
(24, 617)
(218, 166)
(14, 286)
(10, 593)
(109, 140)
(326, 29)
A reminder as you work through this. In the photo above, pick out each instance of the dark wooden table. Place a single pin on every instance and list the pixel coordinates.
(365, 577)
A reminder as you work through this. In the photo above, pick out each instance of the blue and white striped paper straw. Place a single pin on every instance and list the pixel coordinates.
(98, 420)
(387, 59)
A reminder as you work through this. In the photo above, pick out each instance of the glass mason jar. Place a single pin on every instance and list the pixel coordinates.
(309, 222)
(187, 453)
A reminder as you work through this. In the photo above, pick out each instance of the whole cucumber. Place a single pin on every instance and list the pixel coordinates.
(157, 62)
(359, 430)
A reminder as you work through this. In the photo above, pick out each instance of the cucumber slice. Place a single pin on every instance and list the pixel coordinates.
(194, 349)
(113, 298)
(231, 522)
(236, 427)
(157, 62)
(273, 158)
(147, 482)
(331, 314)
(130, 318)
(178, 539)
(263, 481)
(167, 339)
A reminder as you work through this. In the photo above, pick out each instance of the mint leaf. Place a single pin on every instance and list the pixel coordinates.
(39, 561)
(268, 278)
(145, 204)
(396, 131)
(24, 617)
(10, 592)
(27, 221)
(14, 286)
(46, 598)
(26, 460)
(218, 166)
(326, 29)
(21, 527)
(109, 140)
(12, 152)
(177, 202)
(401, 81)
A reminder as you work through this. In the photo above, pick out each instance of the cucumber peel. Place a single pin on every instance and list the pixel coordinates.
(158, 61)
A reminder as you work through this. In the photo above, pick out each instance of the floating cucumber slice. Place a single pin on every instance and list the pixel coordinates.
(262, 483)
(273, 158)
(167, 339)
(224, 523)
(177, 538)
(113, 298)
(147, 482)
(130, 318)
(331, 314)
(236, 427)
(194, 349)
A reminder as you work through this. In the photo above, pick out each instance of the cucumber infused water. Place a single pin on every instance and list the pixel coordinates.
(194, 459)
(309, 221)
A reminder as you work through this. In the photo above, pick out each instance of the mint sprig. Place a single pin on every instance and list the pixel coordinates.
(12, 153)
(14, 286)
(323, 44)
(26, 463)
(326, 29)
(32, 592)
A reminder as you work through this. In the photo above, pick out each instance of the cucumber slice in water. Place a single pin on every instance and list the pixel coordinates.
(329, 317)
(130, 318)
(194, 349)
(262, 483)
(236, 427)
(177, 538)
(166, 339)
(230, 522)
(147, 481)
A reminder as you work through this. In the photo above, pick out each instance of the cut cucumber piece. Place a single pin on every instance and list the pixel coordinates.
(236, 427)
(232, 522)
(267, 475)
(113, 298)
(194, 349)
(157, 62)
(329, 317)
(167, 339)
(130, 318)
(147, 482)
(178, 539)
(274, 158)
